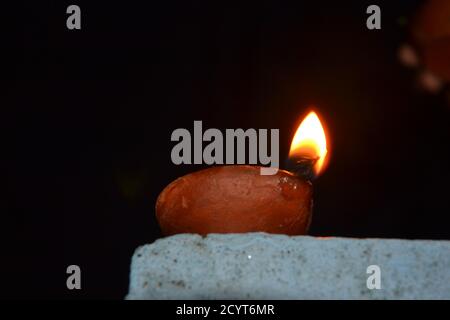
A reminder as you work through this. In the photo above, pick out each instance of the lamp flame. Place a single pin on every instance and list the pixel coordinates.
(310, 142)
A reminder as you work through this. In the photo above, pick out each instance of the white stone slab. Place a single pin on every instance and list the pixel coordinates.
(263, 266)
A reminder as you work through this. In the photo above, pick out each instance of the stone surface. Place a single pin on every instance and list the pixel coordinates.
(263, 266)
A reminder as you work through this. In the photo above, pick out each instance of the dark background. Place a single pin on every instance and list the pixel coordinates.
(90, 113)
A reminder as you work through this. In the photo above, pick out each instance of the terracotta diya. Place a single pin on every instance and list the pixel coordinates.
(237, 198)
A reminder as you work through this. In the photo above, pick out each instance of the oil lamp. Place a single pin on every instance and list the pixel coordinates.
(237, 198)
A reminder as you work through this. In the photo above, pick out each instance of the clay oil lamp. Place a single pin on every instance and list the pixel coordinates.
(237, 198)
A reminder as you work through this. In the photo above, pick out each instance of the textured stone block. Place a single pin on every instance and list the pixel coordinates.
(263, 266)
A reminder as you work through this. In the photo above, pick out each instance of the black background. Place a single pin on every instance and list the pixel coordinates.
(90, 115)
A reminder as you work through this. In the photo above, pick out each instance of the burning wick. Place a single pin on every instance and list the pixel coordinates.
(308, 153)
(302, 167)
(237, 198)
